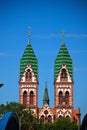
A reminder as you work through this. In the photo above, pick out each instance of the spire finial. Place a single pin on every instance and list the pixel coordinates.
(29, 35)
(63, 35)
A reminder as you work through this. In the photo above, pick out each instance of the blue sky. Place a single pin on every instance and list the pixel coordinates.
(47, 19)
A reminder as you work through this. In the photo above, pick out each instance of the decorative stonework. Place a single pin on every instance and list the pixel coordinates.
(29, 79)
(46, 114)
(63, 86)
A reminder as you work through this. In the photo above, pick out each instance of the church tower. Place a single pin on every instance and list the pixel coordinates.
(28, 91)
(63, 84)
(46, 96)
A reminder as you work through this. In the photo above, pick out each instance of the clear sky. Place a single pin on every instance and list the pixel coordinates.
(47, 19)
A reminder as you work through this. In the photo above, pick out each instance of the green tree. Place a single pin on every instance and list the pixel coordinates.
(12, 106)
(28, 121)
(26, 117)
(65, 124)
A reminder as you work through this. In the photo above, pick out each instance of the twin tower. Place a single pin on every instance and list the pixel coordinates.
(63, 86)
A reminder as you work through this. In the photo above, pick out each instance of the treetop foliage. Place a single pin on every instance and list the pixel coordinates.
(28, 121)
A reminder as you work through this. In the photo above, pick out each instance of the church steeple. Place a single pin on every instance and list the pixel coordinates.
(46, 96)
(63, 82)
(63, 57)
(29, 57)
(29, 78)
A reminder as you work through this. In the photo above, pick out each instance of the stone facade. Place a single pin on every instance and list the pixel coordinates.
(63, 86)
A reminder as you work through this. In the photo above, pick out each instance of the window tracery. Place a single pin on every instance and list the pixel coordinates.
(28, 75)
(63, 75)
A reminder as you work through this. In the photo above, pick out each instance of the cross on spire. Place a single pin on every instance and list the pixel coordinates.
(29, 35)
(63, 35)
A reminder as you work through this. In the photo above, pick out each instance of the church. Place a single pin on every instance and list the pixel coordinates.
(63, 86)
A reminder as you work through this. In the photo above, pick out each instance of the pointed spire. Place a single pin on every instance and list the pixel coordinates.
(29, 57)
(29, 35)
(46, 96)
(63, 57)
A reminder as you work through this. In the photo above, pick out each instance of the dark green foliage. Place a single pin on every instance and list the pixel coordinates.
(65, 124)
(60, 124)
(26, 117)
(27, 121)
(13, 107)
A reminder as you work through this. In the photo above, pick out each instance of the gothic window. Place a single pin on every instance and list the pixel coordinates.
(60, 97)
(25, 97)
(63, 75)
(49, 119)
(60, 116)
(67, 117)
(28, 75)
(31, 98)
(42, 118)
(67, 97)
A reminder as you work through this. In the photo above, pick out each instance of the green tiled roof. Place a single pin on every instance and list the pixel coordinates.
(63, 57)
(29, 57)
(46, 96)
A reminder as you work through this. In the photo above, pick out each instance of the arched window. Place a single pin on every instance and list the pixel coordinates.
(49, 119)
(60, 116)
(28, 75)
(67, 117)
(25, 97)
(60, 97)
(67, 97)
(42, 118)
(31, 98)
(63, 75)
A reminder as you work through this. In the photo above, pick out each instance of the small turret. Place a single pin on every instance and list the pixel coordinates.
(46, 96)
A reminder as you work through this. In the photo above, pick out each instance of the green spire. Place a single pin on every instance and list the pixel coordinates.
(63, 57)
(29, 57)
(46, 96)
